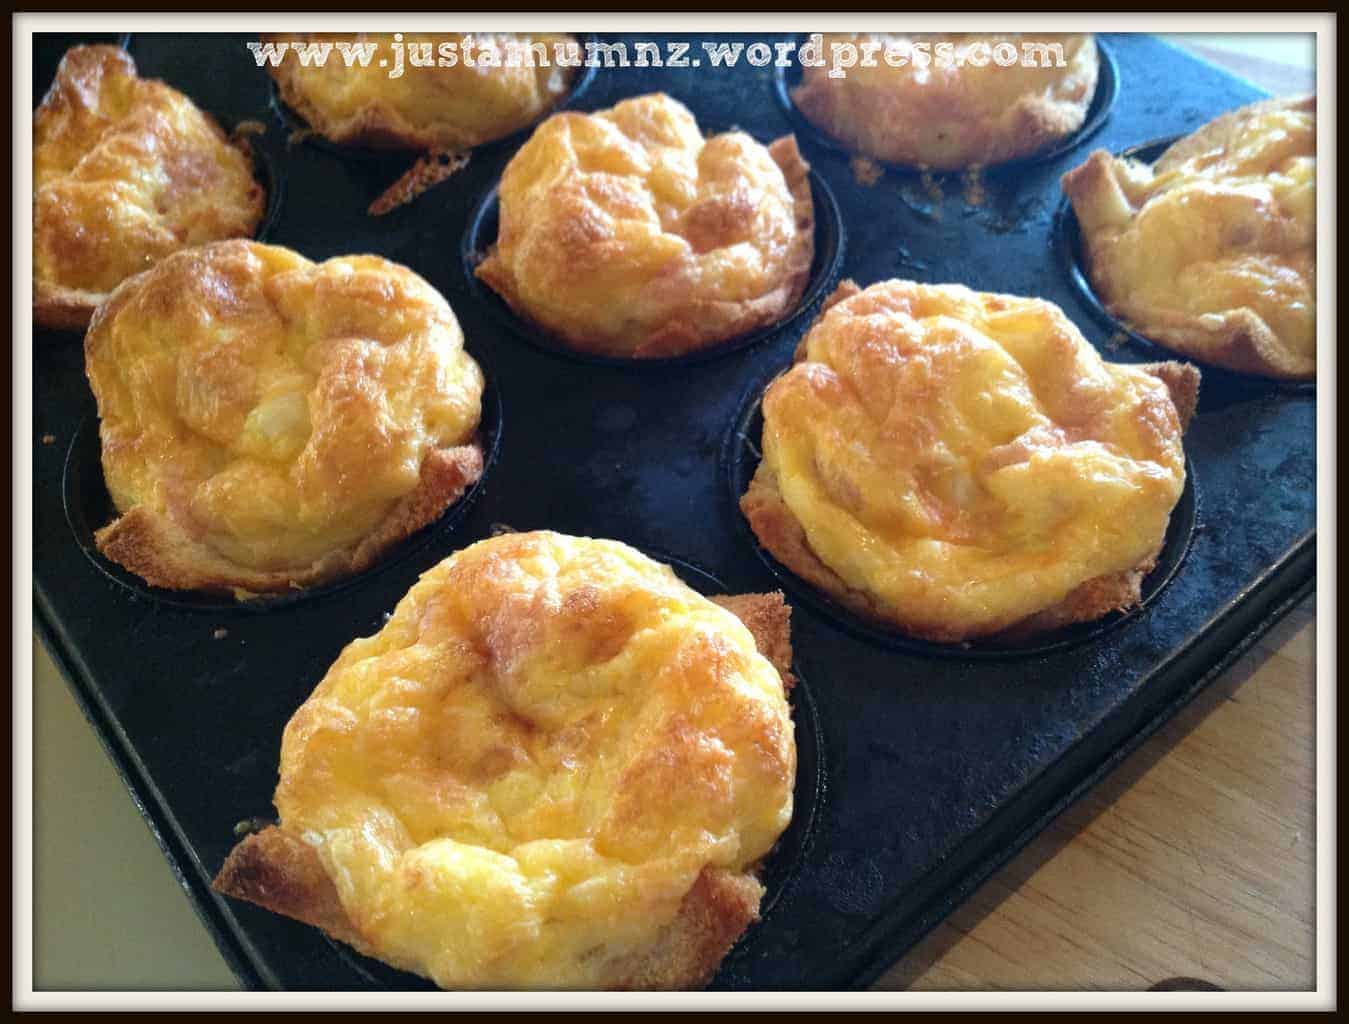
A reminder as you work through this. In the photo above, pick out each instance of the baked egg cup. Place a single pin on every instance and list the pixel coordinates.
(956, 465)
(439, 108)
(943, 112)
(126, 171)
(270, 424)
(625, 233)
(1210, 251)
(555, 766)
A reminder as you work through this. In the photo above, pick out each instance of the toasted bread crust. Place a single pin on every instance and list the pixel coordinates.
(711, 919)
(283, 873)
(769, 618)
(425, 174)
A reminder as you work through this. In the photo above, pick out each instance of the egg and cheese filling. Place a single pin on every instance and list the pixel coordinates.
(275, 408)
(966, 460)
(516, 782)
(622, 225)
(1215, 228)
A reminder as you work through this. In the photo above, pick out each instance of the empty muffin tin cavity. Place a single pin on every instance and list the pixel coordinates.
(89, 508)
(1107, 89)
(779, 870)
(740, 456)
(824, 273)
(1071, 258)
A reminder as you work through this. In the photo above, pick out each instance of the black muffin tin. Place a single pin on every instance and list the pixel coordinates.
(923, 768)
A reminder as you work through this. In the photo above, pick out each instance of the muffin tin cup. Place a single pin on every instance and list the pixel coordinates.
(1067, 241)
(740, 457)
(265, 172)
(826, 263)
(89, 508)
(780, 868)
(1098, 112)
(297, 127)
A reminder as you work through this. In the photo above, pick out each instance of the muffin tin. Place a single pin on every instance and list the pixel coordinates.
(923, 769)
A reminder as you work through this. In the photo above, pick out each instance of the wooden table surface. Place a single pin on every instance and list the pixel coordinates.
(1194, 858)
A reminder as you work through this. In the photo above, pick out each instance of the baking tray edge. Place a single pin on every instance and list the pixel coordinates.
(1233, 632)
(142, 794)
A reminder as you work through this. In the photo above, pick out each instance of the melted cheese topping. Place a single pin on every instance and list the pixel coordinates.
(623, 226)
(518, 779)
(126, 171)
(940, 109)
(968, 459)
(276, 408)
(426, 107)
(1224, 221)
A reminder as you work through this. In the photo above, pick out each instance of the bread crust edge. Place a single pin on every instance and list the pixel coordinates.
(162, 552)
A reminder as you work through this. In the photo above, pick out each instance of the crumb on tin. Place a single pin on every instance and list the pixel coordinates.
(429, 170)
(973, 181)
(866, 171)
